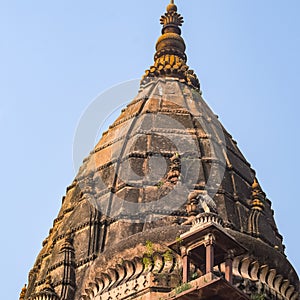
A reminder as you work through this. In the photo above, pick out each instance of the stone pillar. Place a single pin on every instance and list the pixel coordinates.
(185, 265)
(228, 266)
(209, 247)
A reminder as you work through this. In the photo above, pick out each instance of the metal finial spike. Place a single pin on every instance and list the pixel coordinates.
(171, 7)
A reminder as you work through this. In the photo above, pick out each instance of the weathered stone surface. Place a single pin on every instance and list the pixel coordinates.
(135, 177)
(134, 186)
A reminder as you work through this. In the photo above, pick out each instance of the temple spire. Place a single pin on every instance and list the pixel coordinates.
(170, 58)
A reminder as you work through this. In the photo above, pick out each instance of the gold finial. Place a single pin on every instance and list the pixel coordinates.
(23, 292)
(171, 7)
(170, 58)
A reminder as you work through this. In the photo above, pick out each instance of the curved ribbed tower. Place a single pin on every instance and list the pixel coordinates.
(165, 206)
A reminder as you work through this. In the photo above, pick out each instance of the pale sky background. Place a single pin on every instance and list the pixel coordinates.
(56, 56)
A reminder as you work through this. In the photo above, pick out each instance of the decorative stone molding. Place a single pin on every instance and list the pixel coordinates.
(206, 218)
(271, 282)
(46, 291)
(133, 276)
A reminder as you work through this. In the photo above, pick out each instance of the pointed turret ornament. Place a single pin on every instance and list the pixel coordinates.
(258, 196)
(170, 58)
(257, 206)
(23, 293)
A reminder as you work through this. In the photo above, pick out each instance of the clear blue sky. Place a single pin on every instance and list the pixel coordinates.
(56, 56)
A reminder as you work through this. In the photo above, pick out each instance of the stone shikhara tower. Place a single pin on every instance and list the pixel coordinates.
(165, 206)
